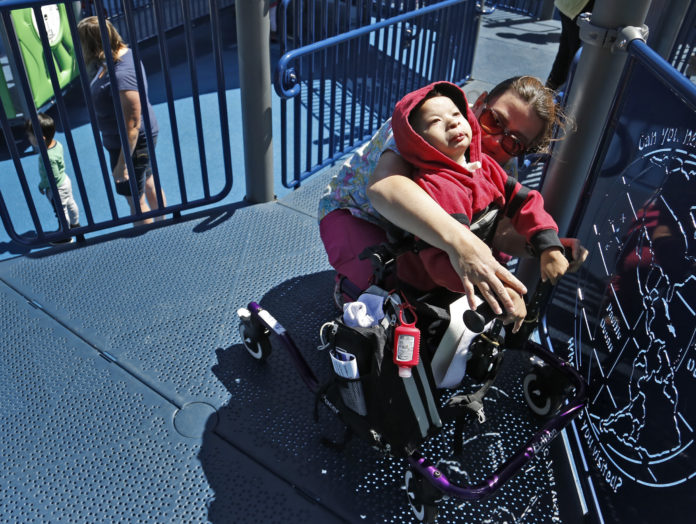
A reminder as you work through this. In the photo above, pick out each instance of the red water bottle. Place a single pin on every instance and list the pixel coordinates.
(406, 344)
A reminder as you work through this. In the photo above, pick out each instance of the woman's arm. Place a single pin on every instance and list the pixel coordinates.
(130, 104)
(400, 200)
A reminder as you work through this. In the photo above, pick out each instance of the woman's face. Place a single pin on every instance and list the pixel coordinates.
(516, 116)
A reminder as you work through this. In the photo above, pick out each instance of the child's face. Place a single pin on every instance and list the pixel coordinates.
(440, 122)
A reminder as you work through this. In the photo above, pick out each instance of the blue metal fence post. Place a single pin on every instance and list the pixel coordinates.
(253, 34)
(589, 98)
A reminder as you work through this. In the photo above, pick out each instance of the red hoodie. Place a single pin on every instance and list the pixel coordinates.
(463, 193)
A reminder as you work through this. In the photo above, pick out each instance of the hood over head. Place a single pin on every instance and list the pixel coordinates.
(413, 147)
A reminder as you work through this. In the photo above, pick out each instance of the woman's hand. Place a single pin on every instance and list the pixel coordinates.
(130, 104)
(554, 264)
(120, 173)
(473, 260)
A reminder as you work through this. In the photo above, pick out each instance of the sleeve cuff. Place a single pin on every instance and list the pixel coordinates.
(542, 241)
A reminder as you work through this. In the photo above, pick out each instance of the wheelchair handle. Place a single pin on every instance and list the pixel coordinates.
(475, 320)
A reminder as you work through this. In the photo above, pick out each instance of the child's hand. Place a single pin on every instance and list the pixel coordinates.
(578, 253)
(554, 264)
(520, 309)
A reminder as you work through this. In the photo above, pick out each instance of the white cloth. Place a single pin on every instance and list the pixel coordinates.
(367, 311)
(452, 353)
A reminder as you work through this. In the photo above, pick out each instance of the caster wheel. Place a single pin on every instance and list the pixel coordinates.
(255, 339)
(543, 391)
(423, 505)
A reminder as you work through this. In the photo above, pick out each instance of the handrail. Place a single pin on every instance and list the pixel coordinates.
(286, 79)
(350, 81)
(651, 59)
(21, 4)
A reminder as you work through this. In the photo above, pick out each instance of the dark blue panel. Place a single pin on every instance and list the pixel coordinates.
(628, 319)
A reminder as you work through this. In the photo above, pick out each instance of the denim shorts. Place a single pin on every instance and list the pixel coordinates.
(141, 165)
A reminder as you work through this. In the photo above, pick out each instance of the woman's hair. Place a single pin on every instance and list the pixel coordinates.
(90, 39)
(541, 99)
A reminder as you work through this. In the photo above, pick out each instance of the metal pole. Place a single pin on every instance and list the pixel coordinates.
(253, 35)
(589, 98)
(546, 11)
(665, 19)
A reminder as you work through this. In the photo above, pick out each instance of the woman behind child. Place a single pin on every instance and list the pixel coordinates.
(375, 190)
(57, 163)
(129, 99)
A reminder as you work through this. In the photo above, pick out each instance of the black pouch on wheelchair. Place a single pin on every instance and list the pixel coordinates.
(398, 413)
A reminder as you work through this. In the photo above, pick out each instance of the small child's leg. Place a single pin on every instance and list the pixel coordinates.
(68, 205)
(49, 196)
(70, 209)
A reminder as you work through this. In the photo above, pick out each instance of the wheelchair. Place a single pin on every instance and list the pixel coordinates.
(456, 342)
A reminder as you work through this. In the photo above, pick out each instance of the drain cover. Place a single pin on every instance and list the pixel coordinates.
(194, 418)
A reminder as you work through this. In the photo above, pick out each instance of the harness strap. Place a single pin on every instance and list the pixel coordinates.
(467, 408)
(347, 287)
(383, 256)
(461, 218)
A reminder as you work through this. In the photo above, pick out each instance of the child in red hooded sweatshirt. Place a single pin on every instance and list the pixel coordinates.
(436, 131)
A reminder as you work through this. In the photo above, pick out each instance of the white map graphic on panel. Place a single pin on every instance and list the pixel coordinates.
(637, 348)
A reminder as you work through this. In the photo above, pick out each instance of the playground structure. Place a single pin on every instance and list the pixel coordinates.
(104, 405)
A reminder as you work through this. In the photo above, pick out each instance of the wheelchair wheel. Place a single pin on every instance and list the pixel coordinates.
(422, 503)
(254, 337)
(543, 391)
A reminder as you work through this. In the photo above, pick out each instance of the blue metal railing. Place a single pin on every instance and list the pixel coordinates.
(173, 14)
(339, 82)
(94, 190)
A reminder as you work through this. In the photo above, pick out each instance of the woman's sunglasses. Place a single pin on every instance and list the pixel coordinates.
(489, 122)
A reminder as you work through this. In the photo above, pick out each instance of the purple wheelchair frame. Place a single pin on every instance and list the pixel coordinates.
(420, 464)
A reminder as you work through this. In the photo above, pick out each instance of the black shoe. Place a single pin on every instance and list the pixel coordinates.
(73, 226)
